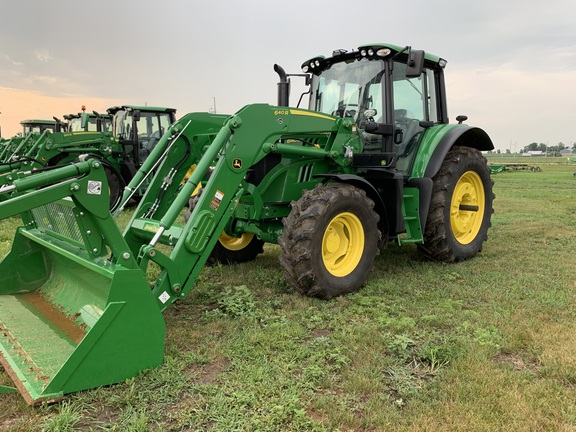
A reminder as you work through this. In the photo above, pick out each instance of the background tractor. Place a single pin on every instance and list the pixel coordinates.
(30, 130)
(373, 159)
(88, 122)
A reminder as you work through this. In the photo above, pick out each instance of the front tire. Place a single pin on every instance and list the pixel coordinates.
(330, 241)
(461, 207)
(115, 185)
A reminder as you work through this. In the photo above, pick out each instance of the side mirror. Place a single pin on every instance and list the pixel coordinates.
(415, 63)
(379, 128)
(398, 136)
(136, 115)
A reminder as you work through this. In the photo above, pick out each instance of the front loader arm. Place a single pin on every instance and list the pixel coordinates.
(85, 184)
(21, 143)
(23, 202)
(244, 140)
(193, 131)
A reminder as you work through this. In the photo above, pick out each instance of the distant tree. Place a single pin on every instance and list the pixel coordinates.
(507, 151)
(531, 147)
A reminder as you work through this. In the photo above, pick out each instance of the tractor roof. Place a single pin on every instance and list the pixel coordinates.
(114, 109)
(375, 51)
(79, 115)
(44, 122)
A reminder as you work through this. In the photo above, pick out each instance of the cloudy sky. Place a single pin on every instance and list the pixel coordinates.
(511, 65)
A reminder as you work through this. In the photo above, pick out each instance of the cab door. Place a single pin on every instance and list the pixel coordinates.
(415, 107)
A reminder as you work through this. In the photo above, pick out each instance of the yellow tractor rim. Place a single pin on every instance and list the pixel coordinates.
(467, 207)
(236, 243)
(343, 244)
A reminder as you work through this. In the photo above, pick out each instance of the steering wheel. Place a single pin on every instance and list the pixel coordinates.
(344, 111)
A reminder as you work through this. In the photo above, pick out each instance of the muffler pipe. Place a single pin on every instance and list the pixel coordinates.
(283, 86)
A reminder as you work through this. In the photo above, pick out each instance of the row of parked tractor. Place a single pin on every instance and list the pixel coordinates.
(121, 139)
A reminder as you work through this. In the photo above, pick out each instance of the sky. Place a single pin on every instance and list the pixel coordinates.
(511, 65)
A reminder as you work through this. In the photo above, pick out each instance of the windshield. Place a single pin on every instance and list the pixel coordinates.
(144, 134)
(121, 124)
(37, 128)
(348, 89)
(75, 124)
(150, 124)
(352, 90)
(106, 124)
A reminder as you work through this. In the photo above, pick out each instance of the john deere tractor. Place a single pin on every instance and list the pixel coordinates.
(88, 122)
(31, 129)
(373, 159)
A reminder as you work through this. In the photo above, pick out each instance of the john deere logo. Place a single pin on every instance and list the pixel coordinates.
(237, 163)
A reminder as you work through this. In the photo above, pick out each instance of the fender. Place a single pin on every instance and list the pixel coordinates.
(432, 153)
(374, 195)
(468, 136)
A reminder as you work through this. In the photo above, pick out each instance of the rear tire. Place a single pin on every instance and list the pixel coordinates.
(461, 207)
(234, 250)
(330, 241)
(229, 249)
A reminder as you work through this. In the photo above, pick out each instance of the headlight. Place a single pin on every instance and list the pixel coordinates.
(383, 52)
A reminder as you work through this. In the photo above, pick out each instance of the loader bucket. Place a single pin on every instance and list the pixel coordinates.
(69, 321)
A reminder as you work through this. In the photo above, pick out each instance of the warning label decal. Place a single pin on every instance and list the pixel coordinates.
(216, 200)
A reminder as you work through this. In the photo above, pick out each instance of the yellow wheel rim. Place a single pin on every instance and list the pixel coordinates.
(236, 243)
(343, 244)
(467, 207)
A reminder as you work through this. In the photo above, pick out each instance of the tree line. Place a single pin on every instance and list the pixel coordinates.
(553, 150)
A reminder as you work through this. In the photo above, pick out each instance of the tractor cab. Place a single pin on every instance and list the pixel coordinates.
(393, 94)
(39, 126)
(139, 128)
(88, 122)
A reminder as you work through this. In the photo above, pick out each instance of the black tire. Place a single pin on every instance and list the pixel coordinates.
(116, 185)
(234, 250)
(461, 207)
(228, 249)
(330, 241)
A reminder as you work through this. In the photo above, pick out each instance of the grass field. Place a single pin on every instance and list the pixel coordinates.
(484, 345)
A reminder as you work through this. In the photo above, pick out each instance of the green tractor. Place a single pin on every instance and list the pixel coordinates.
(372, 160)
(31, 129)
(88, 122)
(39, 126)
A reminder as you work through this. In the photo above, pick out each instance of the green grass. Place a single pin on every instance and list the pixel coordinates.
(488, 344)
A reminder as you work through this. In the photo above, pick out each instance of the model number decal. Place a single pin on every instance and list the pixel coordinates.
(281, 112)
